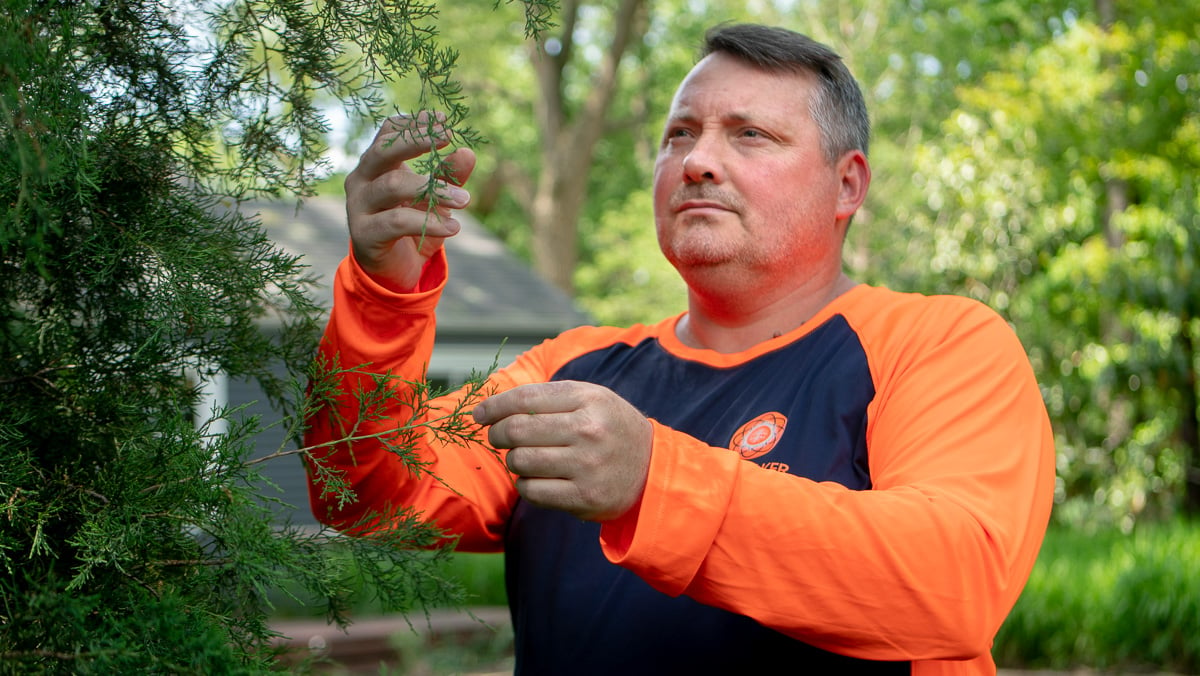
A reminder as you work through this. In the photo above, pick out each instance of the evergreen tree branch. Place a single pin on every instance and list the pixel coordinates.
(133, 538)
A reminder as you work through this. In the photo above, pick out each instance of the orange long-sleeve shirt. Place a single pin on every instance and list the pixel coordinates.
(874, 484)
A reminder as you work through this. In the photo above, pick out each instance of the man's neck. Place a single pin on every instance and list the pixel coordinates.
(738, 325)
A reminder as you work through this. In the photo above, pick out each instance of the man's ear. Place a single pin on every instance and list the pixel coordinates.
(856, 178)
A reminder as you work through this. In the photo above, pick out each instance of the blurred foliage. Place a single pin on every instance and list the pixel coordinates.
(1062, 190)
(480, 577)
(1109, 600)
(628, 279)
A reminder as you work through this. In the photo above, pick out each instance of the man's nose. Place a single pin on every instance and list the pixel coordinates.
(702, 163)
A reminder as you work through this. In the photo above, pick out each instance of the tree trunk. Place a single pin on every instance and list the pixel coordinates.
(1113, 396)
(1189, 423)
(569, 142)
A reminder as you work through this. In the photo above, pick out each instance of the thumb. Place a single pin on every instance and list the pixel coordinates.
(461, 163)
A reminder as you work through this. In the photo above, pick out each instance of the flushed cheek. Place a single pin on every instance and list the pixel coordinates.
(662, 200)
(666, 179)
(664, 225)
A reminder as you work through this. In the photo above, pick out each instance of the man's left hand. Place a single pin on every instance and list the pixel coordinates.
(575, 447)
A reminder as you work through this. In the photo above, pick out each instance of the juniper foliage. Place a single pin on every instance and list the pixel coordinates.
(134, 537)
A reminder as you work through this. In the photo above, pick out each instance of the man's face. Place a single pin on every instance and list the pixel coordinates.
(741, 185)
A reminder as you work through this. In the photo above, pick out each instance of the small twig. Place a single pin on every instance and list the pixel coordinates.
(12, 499)
(20, 654)
(193, 562)
(88, 491)
(38, 375)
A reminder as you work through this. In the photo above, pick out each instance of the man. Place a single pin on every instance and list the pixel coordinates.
(799, 474)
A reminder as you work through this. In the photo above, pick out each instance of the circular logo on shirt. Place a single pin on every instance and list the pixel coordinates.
(757, 437)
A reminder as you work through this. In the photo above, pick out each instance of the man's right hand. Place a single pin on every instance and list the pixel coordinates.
(393, 230)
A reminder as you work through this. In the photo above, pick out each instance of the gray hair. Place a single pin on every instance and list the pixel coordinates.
(837, 106)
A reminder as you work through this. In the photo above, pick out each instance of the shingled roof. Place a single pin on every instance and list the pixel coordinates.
(490, 294)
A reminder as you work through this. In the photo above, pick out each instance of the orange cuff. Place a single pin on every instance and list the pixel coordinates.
(666, 537)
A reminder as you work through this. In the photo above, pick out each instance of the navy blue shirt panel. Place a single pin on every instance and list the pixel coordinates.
(576, 613)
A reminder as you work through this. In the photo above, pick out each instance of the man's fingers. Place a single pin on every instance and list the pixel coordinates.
(543, 488)
(461, 163)
(402, 131)
(530, 429)
(536, 398)
(575, 447)
(397, 217)
(393, 224)
(399, 139)
(568, 495)
(541, 462)
(401, 188)
(397, 187)
(448, 193)
(553, 493)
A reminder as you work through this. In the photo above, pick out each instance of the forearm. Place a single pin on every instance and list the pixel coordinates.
(373, 435)
(461, 486)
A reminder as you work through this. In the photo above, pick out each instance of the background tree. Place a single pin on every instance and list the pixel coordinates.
(1061, 192)
(546, 108)
(134, 537)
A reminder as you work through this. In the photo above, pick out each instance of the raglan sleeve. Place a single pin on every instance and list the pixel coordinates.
(923, 566)
(377, 340)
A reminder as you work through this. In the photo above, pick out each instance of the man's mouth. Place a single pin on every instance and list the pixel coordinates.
(693, 200)
(706, 205)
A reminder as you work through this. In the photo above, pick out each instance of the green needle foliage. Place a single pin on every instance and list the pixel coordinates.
(134, 535)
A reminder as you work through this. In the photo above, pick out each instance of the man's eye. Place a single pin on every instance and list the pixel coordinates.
(677, 135)
(752, 133)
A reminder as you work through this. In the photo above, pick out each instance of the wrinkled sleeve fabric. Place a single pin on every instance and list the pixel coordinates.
(923, 567)
(373, 330)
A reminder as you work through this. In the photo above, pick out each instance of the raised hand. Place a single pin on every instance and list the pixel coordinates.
(393, 229)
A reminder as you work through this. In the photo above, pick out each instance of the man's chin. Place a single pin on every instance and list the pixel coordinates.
(694, 252)
(702, 268)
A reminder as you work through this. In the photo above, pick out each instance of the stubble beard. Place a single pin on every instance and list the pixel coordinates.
(711, 262)
(700, 240)
(703, 242)
(714, 259)
(698, 245)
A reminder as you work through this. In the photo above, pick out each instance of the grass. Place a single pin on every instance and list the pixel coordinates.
(482, 577)
(1111, 601)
